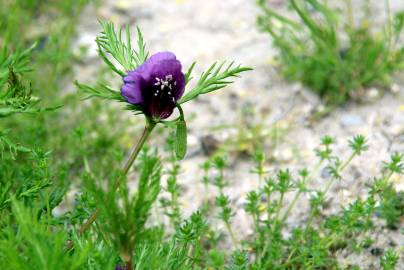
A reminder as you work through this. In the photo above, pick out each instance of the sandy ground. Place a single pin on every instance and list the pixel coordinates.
(210, 30)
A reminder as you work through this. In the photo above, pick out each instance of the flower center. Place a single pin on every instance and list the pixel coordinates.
(165, 86)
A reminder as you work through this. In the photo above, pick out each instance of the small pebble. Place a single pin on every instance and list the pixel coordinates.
(351, 120)
(373, 93)
(209, 144)
(395, 88)
(376, 251)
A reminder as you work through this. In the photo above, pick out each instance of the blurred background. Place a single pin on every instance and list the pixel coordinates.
(265, 108)
(262, 107)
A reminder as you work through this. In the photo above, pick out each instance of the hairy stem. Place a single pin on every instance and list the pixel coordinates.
(135, 152)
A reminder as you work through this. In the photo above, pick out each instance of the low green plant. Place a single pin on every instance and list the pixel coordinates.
(391, 201)
(142, 75)
(329, 53)
(389, 260)
(314, 244)
(251, 131)
(110, 224)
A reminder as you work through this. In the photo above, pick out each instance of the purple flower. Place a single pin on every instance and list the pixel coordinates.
(155, 86)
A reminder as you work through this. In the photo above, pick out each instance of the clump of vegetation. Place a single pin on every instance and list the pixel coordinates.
(391, 206)
(46, 30)
(153, 86)
(252, 131)
(329, 53)
(112, 226)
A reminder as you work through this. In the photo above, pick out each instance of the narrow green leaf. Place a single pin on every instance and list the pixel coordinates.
(215, 78)
(189, 72)
(101, 91)
(111, 42)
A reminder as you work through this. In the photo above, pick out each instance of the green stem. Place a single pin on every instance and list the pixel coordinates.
(291, 206)
(278, 211)
(269, 193)
(388, 176)
(232, 236)
(257, 233)
(259, 180)
(206, 195)
(297, 196)
(289, 259)
(189, 256)
(48, 210)
(256, 223)
(221, 183)
(175, 210)
(311, 217)
(266, 244)
(135, 152)
(347, 162)
(261, 173)
(341, 168)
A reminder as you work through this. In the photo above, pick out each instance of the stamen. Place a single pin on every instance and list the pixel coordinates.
(165, 83)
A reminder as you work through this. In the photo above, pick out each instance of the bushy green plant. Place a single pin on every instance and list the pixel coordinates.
(51, 27)
(329, 53)
(314, 244)
(112, 225)
(134, 61)
(391, 206)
